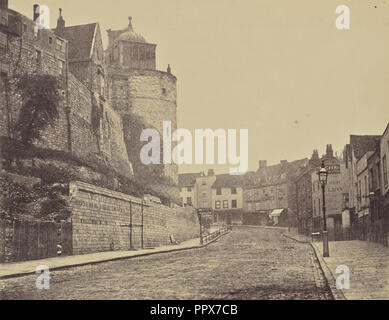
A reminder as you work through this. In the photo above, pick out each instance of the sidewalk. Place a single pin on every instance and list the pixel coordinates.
(12, 270)
(368, 264)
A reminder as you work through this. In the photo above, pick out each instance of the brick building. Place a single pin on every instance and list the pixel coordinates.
(355, 201)
(270, 192)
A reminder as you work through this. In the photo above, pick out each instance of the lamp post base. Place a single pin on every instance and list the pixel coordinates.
(326, 250)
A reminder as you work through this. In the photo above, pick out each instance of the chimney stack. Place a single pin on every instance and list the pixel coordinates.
(60, 24)
(3, 4)
(36, 13)
(262, 164)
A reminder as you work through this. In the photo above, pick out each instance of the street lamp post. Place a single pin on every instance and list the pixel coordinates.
(323, 175)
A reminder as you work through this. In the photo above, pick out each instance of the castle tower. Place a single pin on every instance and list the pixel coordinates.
(135, 86)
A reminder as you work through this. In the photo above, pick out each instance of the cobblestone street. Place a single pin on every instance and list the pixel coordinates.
(248, 263)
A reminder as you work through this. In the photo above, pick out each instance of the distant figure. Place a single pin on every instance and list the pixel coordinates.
(173, 241)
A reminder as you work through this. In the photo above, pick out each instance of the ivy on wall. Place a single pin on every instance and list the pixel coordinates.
(40, 98)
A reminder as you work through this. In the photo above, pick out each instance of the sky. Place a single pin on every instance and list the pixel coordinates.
(279, 68)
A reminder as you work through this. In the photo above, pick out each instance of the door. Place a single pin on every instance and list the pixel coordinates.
(229, 219)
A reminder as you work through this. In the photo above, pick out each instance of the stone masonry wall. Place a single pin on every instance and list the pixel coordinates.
(101, 221)
(150, 94)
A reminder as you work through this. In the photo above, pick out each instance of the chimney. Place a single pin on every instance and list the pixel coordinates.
(262, 164)
(329, 151)
(3, 4)
(284, 162)
(169, 70)
(60, 24)
(36, 12)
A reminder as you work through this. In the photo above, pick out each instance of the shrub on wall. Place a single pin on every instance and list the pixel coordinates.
(40, 98)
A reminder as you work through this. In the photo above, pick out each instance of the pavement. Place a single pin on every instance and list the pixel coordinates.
(367, 262)
(12, 270)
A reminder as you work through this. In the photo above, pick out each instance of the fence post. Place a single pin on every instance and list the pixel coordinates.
(2, 238)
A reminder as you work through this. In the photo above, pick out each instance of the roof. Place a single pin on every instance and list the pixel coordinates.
(363, 144)
(187, 179)
(228, 181)
(131, 35)
(80, 40)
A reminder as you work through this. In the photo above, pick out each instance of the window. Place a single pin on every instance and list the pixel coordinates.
(385, 170)
(135, 52)
(36, 32)
(24, 27)
(234, 204)
(219, 191)
(164, 91)
(204, 183)
(4, 21)
(59, 44)
(50, 40)
(233, 191)
(225, 204)
(218, 204)
(38, 57)
(215, 218)
(61, 65)
(189, 189)
(189, 201)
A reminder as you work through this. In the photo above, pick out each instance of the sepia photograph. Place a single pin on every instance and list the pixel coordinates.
(194, 155)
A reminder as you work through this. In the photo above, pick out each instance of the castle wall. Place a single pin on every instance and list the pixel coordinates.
(150, 94)
(101, 221)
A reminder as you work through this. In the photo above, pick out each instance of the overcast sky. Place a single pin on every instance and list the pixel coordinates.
(280, 69)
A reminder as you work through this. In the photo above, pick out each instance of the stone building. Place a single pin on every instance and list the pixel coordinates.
(135, 86)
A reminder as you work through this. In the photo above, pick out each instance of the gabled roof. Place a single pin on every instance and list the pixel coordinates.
(187, 179)
(363, 144)
(81, 39)
(228, 181)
